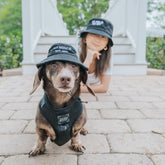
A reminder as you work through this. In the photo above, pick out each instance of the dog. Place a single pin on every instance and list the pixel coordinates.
(60, 113)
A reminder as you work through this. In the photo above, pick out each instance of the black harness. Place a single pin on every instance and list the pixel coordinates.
(62, 119)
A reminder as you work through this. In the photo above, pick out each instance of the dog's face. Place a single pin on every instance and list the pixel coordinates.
(63, 75)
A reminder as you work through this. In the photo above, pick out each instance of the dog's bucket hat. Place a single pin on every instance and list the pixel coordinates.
(99, 26)
(62, 52)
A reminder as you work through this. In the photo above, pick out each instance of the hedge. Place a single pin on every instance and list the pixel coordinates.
(155, 52)
(10, 51)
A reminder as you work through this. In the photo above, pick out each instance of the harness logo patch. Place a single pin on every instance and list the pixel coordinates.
(63, 119)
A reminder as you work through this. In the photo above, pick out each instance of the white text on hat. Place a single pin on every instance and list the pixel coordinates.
(97, 22)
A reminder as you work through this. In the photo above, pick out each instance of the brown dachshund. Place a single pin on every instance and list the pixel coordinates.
(61, 84)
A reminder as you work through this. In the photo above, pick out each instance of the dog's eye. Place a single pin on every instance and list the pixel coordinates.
(74, 65)
(54, 65)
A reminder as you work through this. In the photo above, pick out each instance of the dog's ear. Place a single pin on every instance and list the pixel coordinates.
(84, 77)
(37, 79)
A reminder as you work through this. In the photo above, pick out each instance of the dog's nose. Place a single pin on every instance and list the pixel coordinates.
(65, 80)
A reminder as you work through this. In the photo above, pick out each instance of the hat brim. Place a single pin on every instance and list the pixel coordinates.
(95, 31)
(62, 57)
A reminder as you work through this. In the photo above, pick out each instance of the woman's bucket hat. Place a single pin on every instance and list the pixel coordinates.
(99, 26)
(62, 52)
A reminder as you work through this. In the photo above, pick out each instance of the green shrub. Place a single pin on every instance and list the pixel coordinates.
(76, 13)
(155, 52)
(10, 51)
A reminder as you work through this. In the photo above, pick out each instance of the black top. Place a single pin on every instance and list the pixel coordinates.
(62, 119)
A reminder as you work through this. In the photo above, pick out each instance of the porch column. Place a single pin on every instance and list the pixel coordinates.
(27, 31)
(141, 32)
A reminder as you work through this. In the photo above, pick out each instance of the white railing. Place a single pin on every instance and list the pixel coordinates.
(129, 18)
(39, 17)
(52, 20)
(116, 14)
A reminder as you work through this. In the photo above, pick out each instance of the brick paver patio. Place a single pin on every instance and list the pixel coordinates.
(126, 126)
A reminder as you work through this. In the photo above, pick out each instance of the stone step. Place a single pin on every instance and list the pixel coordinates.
(123, 53)
(12, 72)
(117, 49)
(158, 72)
(118, 58)
(123, 59)
(72, 39)
(129, 69)
(55, 39)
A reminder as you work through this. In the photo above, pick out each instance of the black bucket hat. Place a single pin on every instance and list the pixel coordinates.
(62, 52)
(99, 26)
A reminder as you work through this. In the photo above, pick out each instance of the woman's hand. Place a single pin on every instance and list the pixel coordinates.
(91, 59)
(94, 54)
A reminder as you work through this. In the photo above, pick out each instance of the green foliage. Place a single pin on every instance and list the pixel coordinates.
(76, 13)
(10, 17)
(155, 52)
(10, 51)
(10, 34)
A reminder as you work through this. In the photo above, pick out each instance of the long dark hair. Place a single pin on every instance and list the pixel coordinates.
(103, 63)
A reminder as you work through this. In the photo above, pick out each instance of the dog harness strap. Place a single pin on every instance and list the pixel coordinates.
(62, 120)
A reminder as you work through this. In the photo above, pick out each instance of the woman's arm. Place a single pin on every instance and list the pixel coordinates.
(90, 60)
(99, 88)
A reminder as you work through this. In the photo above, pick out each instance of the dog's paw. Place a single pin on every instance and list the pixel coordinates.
(78, 148)
(36, 151)
(84, 131)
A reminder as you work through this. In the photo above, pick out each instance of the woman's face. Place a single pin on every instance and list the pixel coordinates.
(96, 42)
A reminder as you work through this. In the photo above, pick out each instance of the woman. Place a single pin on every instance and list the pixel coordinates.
(95, 53)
